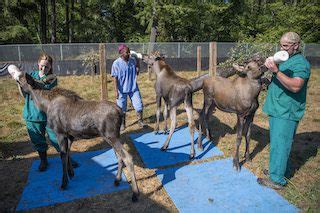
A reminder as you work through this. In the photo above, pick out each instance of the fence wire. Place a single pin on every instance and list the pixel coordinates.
(71, 59)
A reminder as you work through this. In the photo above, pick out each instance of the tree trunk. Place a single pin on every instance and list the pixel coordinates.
(43, 21)
(53, 22)
(71, 22)
(67, 20)
(153, 33)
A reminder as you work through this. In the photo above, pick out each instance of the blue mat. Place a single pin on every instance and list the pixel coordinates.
(149, 144)
(216, 187)
(94, 176)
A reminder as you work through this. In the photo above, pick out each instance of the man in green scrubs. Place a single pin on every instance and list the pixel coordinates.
(285, 105)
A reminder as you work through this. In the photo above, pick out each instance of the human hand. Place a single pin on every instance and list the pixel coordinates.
(271, 65)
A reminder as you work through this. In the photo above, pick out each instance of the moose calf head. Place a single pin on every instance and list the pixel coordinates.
(152, 58)
(254, 68)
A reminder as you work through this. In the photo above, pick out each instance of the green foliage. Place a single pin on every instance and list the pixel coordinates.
(244, 51)
(192, 21)
(15, 34)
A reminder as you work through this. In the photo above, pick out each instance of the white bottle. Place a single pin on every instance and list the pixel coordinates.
(280, 56)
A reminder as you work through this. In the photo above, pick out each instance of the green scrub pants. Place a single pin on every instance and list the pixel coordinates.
(282, 132)
(37, 131)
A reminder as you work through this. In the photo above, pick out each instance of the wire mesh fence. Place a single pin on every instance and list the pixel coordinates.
(74, 58)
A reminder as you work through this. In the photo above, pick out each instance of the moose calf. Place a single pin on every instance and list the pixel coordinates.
(238, 95)
(174, 90)
(72, 117)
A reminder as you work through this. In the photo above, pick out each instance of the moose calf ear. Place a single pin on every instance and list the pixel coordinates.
(237, 67)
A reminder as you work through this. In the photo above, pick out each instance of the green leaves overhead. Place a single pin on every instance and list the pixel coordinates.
(192, 21)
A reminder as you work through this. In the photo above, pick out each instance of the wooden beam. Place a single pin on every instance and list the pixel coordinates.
(199, 60)
(212, 58)
(103, 71)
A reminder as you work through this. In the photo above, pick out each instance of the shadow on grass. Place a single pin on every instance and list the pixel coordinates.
(13, 149)
(305, 146)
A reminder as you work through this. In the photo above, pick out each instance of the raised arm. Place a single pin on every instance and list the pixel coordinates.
(292, 84)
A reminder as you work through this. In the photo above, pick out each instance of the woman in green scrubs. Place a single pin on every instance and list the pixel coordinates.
(36, 120)
(285, 105)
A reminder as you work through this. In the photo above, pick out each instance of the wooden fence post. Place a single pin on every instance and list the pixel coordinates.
(199, 60)
(212, 58)
(103, 71)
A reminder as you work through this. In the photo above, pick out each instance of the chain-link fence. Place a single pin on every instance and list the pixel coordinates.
(79, 59)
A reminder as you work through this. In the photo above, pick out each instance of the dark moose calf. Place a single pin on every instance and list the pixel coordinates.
(239, 96)
(71, 118)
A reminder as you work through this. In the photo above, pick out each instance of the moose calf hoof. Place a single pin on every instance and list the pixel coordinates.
(63, 186)
(163, 149)
(156, 132)
(191, 157)
(116, 182)
(200, 148)
(71, 174)
(236, 166)
(134, 197)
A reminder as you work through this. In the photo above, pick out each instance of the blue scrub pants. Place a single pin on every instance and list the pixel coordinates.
(135, 98)
(37, 131)
(282, 132)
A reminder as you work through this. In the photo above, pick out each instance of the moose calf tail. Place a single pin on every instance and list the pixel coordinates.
(197, 82)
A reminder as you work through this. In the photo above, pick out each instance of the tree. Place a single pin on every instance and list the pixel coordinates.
(53, 22)
(43, 21)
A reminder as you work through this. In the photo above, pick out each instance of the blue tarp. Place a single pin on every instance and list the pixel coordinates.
(149, 144)
(216, 187)
(94, 176)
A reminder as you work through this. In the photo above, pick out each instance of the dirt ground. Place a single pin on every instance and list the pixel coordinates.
(17, 154)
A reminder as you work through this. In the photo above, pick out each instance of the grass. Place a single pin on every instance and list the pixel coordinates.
(303, 189)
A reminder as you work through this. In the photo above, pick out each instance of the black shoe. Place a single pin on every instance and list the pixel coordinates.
(266, 173)
(140, 119)
(43, 161)
(267, 182)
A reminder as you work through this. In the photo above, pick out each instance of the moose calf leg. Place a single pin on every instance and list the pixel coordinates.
(70, 167)
(173, 114)
(127, 160)
(63, 144)
(165, 118)
(200, 130)
(240, 124)
(119, 172)
(191, 129)
(247, 132)
(156, 130)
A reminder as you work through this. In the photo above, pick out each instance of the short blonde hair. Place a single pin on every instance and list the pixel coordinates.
(292, 37)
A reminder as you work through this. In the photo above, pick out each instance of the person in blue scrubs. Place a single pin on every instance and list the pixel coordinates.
(124, 72)
(285, 105)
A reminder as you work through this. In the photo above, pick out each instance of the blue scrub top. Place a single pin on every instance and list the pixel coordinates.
(126, 74)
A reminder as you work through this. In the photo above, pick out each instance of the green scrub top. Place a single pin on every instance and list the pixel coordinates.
(30, 111)
(282, 103)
